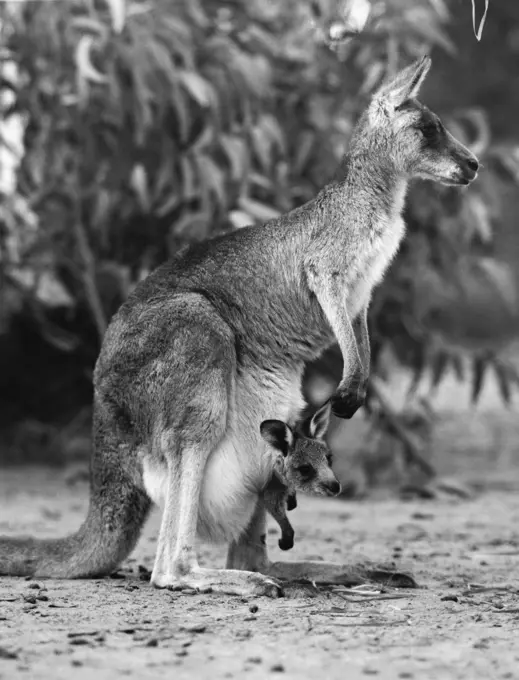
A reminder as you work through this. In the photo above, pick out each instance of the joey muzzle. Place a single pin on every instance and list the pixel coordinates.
(333, 488)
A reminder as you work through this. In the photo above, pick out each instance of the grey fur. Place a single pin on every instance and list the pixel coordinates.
(298, 449)
(214, 342)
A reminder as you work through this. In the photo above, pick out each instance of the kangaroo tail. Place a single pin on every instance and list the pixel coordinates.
(107, 537)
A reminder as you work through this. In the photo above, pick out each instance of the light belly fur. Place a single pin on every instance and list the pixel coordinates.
(240, 466)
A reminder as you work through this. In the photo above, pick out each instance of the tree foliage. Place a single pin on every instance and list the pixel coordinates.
(151, 123)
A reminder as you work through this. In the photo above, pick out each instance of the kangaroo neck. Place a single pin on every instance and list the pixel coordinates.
(372, 192)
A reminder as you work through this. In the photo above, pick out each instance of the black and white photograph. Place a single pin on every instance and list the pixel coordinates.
(259, 339)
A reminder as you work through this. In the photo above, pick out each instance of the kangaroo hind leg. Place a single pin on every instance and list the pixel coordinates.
(176, 564)
(250, 552)
(196, 429)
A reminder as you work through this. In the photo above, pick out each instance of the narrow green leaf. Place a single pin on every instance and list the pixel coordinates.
(167, 205)
(236, 152)
(197, 87)
(139, 184)
(118, 14)
(86, 69)
(439, 365)
(190, 225)
(479, 366)
(262, 147)
(240, 219)
(259, 211)
(214, 178)
(189, 178)
(503, 382)
(88, 24)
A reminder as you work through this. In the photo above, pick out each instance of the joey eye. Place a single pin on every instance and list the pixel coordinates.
(305, 470)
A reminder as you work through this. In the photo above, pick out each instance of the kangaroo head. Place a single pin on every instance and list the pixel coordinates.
(411, 137)
(306, 456)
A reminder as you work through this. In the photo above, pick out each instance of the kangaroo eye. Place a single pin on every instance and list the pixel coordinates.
(429, 131)
(305, 470)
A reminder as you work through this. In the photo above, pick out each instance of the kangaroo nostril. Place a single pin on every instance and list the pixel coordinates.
(473, 164)
(334, 487)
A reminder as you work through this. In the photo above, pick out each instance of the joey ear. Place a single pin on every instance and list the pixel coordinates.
(405, 85)
(318, 424)
(277, 434)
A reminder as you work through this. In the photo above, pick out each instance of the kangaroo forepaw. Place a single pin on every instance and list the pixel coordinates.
(347, 400)
(286, 542)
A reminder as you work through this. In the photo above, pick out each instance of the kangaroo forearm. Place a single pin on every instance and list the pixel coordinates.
(331, 297)
(350, 350)
(360, 327)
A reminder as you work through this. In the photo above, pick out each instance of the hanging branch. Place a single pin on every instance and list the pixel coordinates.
(409, 441)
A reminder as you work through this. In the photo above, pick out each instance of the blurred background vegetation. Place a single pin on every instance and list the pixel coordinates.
(129, 128)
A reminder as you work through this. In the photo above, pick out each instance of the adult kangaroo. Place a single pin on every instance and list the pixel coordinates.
(214, 342)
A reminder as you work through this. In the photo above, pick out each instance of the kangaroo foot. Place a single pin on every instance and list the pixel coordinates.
(340, 574)
(227, 581)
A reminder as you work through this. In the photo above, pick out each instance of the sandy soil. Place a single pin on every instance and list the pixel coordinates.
(449, 628)
(463, 622)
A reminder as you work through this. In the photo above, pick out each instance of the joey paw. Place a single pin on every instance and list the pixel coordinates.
(291, 502)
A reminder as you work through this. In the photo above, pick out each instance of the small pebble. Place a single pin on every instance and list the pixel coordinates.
(255, 659)
(419, 515)
(195, 628)
(7, 654)
(253, 608)
(449, 598)
(152, 642)
(481, 644)
(277, 668)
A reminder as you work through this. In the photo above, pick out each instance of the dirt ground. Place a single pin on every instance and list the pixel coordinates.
(463, 621)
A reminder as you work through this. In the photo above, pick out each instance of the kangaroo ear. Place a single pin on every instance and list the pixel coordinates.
(406, 84)
(277, 434)
(318, 425)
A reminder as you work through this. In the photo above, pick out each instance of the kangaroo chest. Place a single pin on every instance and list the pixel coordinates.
(373, 263)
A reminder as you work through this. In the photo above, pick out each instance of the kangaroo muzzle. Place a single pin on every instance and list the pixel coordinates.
(330, 486)
(467, 165)
(468, 169)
